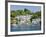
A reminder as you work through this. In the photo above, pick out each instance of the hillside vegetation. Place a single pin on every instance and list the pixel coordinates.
(15, 13)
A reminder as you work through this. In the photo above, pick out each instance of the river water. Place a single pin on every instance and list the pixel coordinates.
(26, 27)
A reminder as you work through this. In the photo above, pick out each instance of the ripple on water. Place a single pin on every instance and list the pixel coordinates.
(25, 27)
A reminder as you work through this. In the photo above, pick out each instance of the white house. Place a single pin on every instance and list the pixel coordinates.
(35, 21)
(24, 18)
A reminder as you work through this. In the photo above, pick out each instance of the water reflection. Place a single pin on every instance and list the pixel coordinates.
(26, 27)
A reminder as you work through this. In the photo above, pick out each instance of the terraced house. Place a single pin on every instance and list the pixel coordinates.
(24, 19)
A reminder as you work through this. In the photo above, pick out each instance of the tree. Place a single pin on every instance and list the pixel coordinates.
(27, 11)
(12, 13)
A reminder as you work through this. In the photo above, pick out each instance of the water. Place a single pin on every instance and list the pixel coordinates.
(26, 27)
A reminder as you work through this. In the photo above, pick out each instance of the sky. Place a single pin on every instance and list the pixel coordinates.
(20, 7)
